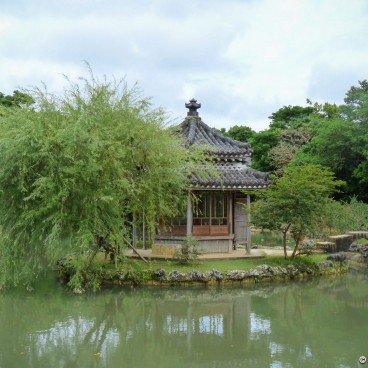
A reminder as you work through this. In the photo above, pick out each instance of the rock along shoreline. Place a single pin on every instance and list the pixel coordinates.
(260, 274)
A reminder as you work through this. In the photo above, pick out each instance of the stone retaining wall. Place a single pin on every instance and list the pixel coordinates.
(262, 273)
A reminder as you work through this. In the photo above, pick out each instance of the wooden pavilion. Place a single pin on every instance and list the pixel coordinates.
(217, 218)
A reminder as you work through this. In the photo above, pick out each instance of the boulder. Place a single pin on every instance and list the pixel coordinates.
(198, 276)
(159, 275)
(359, 248)
(337, 257)
(292, 270)
(328, 247)
(177, 276)
(237, 275)
(215, 274)
(324, 265)
(264, 270)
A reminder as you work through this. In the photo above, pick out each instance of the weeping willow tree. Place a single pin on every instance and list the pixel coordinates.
(75, 168)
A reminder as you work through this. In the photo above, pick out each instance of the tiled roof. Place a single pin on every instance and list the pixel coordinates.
(196, 132)
(232, 177)
(231, 158)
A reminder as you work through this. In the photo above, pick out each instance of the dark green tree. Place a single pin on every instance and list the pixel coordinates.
(356, 103)
(240, 133)
(262, 143)
(336, 145)
(18, 99)
(339, 140)
(290, 117)
(356, 110)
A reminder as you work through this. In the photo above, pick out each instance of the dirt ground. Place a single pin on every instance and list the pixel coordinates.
(236, 254)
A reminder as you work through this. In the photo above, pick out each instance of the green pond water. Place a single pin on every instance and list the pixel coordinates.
(317, 323)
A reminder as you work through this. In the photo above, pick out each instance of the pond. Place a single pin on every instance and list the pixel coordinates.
(317, 323)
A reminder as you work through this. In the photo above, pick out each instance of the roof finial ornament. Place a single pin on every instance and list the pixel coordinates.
(192, 106)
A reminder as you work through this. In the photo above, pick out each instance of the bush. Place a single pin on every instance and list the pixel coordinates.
(188, 251)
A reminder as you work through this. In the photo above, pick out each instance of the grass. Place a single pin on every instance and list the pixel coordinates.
(136, 272)
(361, 241)
(220, 265)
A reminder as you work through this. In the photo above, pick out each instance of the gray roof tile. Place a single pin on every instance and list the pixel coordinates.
(231, 177)
(196, 132)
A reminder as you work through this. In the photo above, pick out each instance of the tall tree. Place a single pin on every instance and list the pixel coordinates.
(75, 170)
(356, 103)
(341, 142)
(291, 140)
(290, 117)
(240, 133)
(262, 143)
(338, 145)
(356, 110)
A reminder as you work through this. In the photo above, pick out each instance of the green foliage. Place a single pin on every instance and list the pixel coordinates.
(262, 143)
(74, 170)
(340, 217)
(18, 99)
(321, 133)
(362, 241)
(340, 141)
(188, 252)
(357, 215)
(86, 279)
(290, 117)
(291, 140)
(240, 133)
(326, 110)
(356, 103)
(339, 145)
(333, 218)
(296, 126)
(295, 201)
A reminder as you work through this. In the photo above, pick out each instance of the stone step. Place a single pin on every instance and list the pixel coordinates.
(358, 234)
(342, 242)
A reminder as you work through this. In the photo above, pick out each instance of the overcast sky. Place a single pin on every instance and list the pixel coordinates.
(242, 59)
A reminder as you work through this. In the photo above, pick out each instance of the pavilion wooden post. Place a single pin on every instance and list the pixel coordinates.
(230, 199)
(189, 215)
(248, 234)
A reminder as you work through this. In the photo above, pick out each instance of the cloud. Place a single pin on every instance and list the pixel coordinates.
(242, 59)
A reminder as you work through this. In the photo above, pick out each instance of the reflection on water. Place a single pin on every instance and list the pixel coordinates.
(308, 324)
(213, 324)
(258, 326)
(70, 334)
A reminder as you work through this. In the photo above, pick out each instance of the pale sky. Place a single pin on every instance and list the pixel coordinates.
(241, 59)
